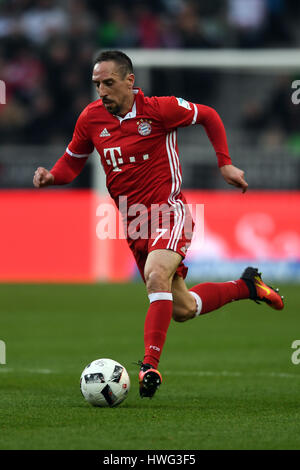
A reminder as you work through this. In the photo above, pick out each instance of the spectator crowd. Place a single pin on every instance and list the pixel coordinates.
(47, 48)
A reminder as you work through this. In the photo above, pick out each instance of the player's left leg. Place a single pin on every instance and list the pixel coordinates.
(205, 297)
(209, 296)
(185, 305)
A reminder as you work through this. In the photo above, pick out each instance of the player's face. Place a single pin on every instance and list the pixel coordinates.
(114, 89)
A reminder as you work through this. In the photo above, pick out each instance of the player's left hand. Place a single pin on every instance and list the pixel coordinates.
(235, 176)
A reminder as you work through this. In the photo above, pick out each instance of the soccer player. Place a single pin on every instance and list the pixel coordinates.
(135, 137)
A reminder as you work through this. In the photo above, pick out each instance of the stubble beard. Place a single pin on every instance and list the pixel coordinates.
(112, 108)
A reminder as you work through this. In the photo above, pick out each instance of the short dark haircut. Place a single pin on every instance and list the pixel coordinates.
(123, 61)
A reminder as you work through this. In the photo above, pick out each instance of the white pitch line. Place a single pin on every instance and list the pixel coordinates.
(30, 371)
(40, 371)
(203, 373)
(225, 373)
(200, 373)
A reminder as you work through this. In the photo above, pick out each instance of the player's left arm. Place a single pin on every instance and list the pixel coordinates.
(216, 133)
(177, 112)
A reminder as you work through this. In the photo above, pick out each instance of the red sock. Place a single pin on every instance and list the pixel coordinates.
(212, 295)
(156, 326)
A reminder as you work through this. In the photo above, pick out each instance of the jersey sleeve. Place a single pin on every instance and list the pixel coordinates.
(81, 145)
(70, 165)
(177, 112)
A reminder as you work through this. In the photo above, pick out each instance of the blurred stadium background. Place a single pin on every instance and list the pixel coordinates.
(46, 52)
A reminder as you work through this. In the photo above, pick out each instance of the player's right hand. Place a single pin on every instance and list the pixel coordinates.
(42, 178)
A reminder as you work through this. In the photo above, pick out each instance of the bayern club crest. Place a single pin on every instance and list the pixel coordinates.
(144, 127)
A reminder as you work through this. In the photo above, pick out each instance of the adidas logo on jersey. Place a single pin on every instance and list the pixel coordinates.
(104, 133)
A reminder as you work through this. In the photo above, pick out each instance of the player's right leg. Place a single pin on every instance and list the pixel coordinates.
(149, 380)
(159, 270)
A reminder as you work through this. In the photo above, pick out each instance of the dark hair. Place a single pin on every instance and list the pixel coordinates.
(124, 62)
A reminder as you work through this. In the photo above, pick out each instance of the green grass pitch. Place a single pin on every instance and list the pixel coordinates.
(228, 378)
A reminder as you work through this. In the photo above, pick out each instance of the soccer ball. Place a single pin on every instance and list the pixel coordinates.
(104, 382)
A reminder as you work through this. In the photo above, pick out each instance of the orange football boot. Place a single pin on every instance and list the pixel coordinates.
(259, 291)
(149, 380)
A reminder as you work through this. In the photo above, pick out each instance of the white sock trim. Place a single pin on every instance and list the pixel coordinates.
(160, 296)
(198, 302)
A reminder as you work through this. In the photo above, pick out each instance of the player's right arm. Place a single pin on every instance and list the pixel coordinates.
(72, 161)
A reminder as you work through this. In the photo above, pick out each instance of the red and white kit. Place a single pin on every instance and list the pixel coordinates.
(139, 155)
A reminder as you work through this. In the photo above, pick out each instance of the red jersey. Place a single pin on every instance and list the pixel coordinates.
(139, 151)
